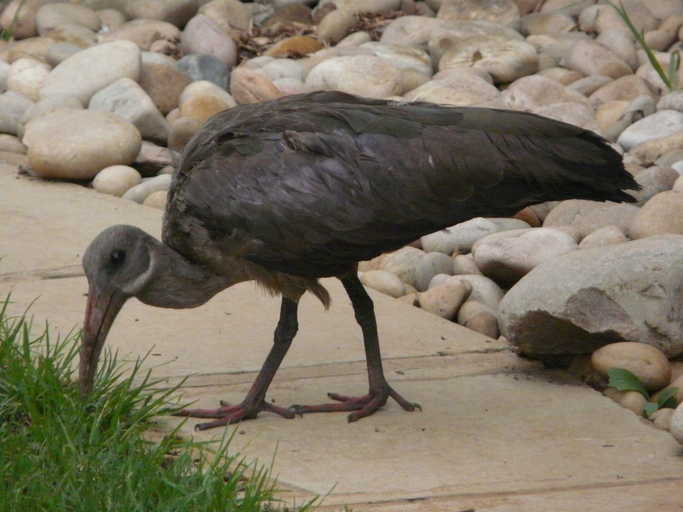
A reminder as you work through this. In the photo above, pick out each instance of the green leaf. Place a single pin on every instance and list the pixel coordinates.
(650, 408)
(625, 380)
(667, 398)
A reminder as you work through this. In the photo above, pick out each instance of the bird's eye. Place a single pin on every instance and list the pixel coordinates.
(116, 258)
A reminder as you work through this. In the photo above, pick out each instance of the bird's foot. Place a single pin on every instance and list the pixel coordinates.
(228, 413)
(361, 405)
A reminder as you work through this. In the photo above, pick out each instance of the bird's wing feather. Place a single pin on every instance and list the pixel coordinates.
(310, 189)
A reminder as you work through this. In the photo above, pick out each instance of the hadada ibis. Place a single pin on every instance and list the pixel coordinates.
(289, 191)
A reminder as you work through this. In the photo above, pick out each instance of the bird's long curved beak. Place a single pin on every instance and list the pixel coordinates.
(100, 313)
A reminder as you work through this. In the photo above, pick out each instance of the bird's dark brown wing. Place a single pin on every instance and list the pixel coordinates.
(312, 184)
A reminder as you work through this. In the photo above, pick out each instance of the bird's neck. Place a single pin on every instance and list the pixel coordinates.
(177, 283)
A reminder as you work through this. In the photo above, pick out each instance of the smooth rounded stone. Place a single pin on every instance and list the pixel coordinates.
(591, 58)
(52, 16)
(78, 35)
(58, 52)
(204, 36)
(335, 26)
(654, 180)
(229, 14)
(622, 44)
(484, 289)
(572, 113)
(142, 32)
(614, 117)
(47, 105)
(153, 159)
(354, 39)
(288, 86)
(555, 46)
(294, 47)
(288, 14)
(571, 7)
(140, 192)
(508, 256)
(11, 144)
(484, 323)
(587, 299)
(438, 279)
(248, 86)
(358, 6)
(206, 88)
(609, 235)
(654, 80)
(364, 75)
(164, 85)
(93, 69)
(460, 237)
(589, 216)
(110, 18)
(664, 8)
(646, 362)
(662, 214)
(384, 282)
(26, 77)
(156, 199)
(435, 92)
(175, 12)
(130, 101)
(13, 159)
(116, 180)
(589, 84)
(77, 144)
(564, 76)
(200, 67)
(626, 88)
(157, 58)
(471, 308)
(287, 68)
(328, 53)
(528, 216)
(532, 92)
(678, 184)
(402, 57)
(506, 60)
(671, 101)
(182, 130)
(22, 15)
(403, 264)
(640, 16)
(431, 264)
(546, 23)
(676, 424)
(503, 12)
(648, 152)
(631, 400)
(662, 418)
(203, 108)
(33, 47)
(445, 299)
(656, 126)
(416, 31)
(670, 158)
(464, 264)
(4, 75)
(12, 107)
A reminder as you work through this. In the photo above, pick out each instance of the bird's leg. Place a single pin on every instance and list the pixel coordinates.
(380, 390)
(255, 402)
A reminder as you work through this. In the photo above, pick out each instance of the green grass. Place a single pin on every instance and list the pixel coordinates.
(58, 453)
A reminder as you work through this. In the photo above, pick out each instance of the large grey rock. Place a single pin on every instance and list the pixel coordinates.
(12, 107)
(130, 101)
(589, 216)
(581, 301)
(205, 67)
(92, 69)
(508, 256)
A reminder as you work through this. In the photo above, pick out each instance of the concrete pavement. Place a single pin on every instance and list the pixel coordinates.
(497, 433)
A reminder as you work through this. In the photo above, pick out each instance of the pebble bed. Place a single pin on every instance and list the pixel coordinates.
(104, 92)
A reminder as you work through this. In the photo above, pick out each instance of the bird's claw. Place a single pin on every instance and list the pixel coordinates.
(361, 405)
(228, 413)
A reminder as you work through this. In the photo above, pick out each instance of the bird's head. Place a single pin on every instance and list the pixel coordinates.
(118, 265)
